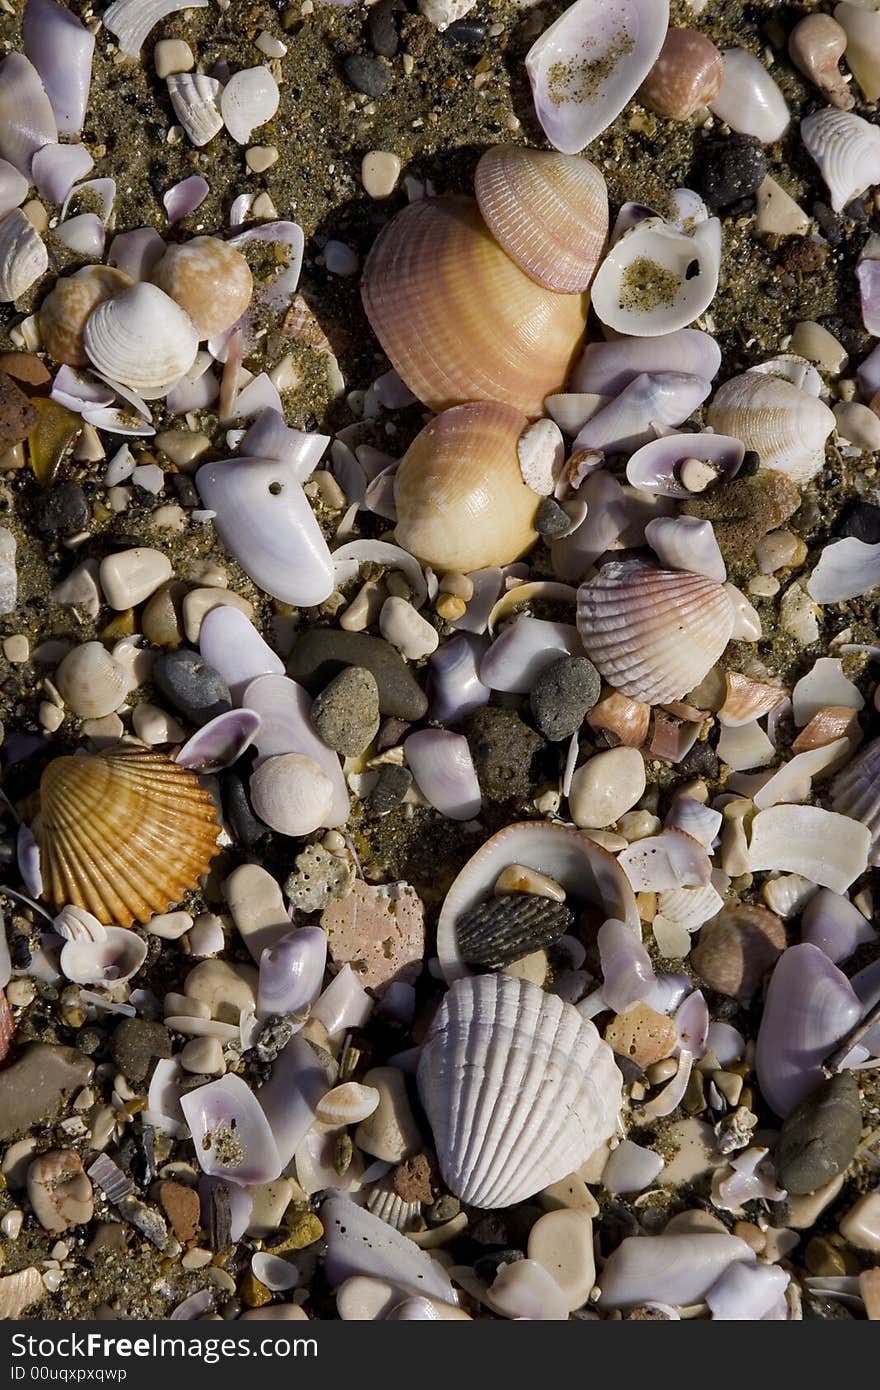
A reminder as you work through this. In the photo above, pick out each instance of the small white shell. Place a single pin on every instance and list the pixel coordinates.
(131, 20)
(292, 794)
(111, 961)
(23, 256)
(846, 569)
(518, 1088)
(92, 683)
(750, 101)
(231, 644)
(847, 150)
(786, 427)
(27, 121)
(249, 99)
(194, 98)
(686, 543)
(655, 280)
(284, 708)
(142, 339)
(855, 792)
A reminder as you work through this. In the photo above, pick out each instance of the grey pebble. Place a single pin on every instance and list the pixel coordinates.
(346, 713)
(136, 1043)
(194, 688)
(323, 652)
(367, 75)
(551, 519)
(820, 1136)
(62, 510)
(562, 694)
(388, 793)
(33, 1089)
(381, 28)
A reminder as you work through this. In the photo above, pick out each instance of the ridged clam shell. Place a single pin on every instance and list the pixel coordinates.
(847, 150)
(194, 98)
(209, 279)
(65, 310)
(548, 211)
(18, 1291)
(653, 634)
(384, 1202)
(518, 1088)
(656, 280)
(504, 929)
(123, 834)
(687, 75)
(141, 338)
(855, 792)
(458, 319)
(23, 255)
(461, 501)
(861, 23)
(786, 428)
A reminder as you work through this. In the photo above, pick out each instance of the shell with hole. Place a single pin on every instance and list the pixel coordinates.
(785, 426)
(123, 834)
(66, 308)
(518, 1088)
(458, 318)
(110, 962)
(461, 502)
(142, 339)
(653, 633)
(210, 280)
(548, 211)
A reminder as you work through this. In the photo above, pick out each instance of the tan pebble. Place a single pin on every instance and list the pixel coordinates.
(391, 1132)
(118, 498)
(608, 839)
(37, 215)
(104, 731)
(175, 1004)
(198, 603)
(259, 158)
(804, 1212)
(869, 1288)
(59, 1190)
(381, 928)
(571, 1192)
(858, 425)
(131, 576)
(203, 1056)
(170, 925)
(641, 1034)
(450, 607)
(197, 1259)
(535, 967)
(88, 448)
(20, 993)
(817, 345)
(380, 171)
(264, 208)
(763, 586)
(156, 727)
(405, 628)
(730, 1085)
(227, 988)
(777, 212)
(257, 907)
(171, 517)
(752, 1235)
(696, 474)
(221, 1279)
(276, 1312)
(562, 1242)
(183, 448)
(776, 550)
(658, 1072)
(519, 878)
(797, 616)
(16, 649)
(605, 787)
(270, 1202)
(861, 1224)
(365, 607)
(171, 56)
(821, 1257)
(461, 585)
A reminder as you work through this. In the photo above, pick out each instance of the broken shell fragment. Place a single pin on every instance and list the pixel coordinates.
(59, 1190)
(860, 21)
(230, 1132)
(846, 148)
(23, 254)
(816, 44)
(823, 846)
(114, 960)
(855, 792)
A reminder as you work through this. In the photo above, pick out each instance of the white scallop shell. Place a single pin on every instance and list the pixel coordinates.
(653, 634)
(855, 792)
(384, 1202)
(142, 339)
(686, 543)
(23, 256)
(518, 1088)
(786, 427)
(111, 961)
(194, 98)
(656, 280)
(847, 150)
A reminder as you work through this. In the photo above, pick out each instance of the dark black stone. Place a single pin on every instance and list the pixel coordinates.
(562, 694)
(701, 761)
(820, 1136)
(487, 1266)
(367, 75)
(617, 1225)
(731, 170)
(136, 1043)
(466, 33)
(381, 28)
(194, 688)
(490, 1230)
(861, 520)
(247, 830)
(185, 489)
(62, 511)
(508, 756)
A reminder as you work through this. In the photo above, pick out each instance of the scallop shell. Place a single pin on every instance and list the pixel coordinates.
(652, 633)
(458, 319)
(23, 255)
(194, 98)
(786, 427)
(461, 501)
(518, 1088)
(847, 150)
(548, 211)
(855, 792)
(123, 834)
(209, 279)
(18, 1291)
(65, 310)
(656, 280)
(141, 338)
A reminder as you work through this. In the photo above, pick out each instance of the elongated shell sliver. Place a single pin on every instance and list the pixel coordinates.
(519, 1089)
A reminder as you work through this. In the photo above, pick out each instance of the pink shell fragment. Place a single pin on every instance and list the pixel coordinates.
(381, 930)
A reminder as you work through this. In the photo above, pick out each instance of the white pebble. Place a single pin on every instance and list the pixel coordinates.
(259, 158)
(797, 616)
(562, 1243)
(203, 1056)
(148, 476)
(525, 1290)
(380, 171)
(170, 925)
(206, 937)
(270, 45)
(406, 629)
(858, 425)
(17, 648)
(131, 576)
(155, 727)
(605, 787)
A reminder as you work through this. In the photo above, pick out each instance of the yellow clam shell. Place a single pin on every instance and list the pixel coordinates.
(64, 311)
(458, 318)
(210, 280)
(461, 501)
(123, 834)
(548, 211)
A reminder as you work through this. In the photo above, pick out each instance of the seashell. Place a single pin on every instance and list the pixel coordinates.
(810, 1006)
(683, 1266)
(627, 974)
(749, 100)
(653, 634)
(590, 62)
(27, 121)
(786, 427)
(585, 870)
(141, 338)
(656, 280)
(686, 543)
(659, 467)
(519, 1090)
(290, 1097)
(823, 685)
(461, 501)
(687, 75)
(348, 559)
(110, 962)
(20, 1291)
(607, 368)
(56, 168)
(359, 1243)
(745, 700)
(347, 1104)
(231, 1134)
(384, 1203)
(441, 763)
(123, 834)
(548, 211)
(275, 1273)
(454, 681)
(92, 683)
(75, 924)
(137, 252)
(815, 45)
(65, 310)
(210, 280)
(23, 254)
(628, 719)
(825, 847)
(855, 792)
(701, 822)
(292, 972)
(835, 925)
(829, 726)
(670, 860)
(646, 405)
(868, 276)
(13, 187)
(291, 793)
(846, 569)
(458, 318)
(194, 98)
(249, 99)
(220, 742)
(185, 197)
(61, 50)
(85, 235)
(847, 150)
(503, 929)
(284, 709)
(230, 643)
(860, 21)
(630, 1168)
(131, 20)
(264, 519)
(525, 648)
(747, 1292)
(737, 948)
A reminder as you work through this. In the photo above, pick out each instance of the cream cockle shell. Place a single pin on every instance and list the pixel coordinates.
(652, 633)
(548, 211)
(209, 279)
(785, 426)
(142, 339)
(458, 318)
(461, 502)
(65, 310)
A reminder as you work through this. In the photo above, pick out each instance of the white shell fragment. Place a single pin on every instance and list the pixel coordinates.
(132, 20)
(27, 121)
(656, 280)
(823, 846)
(110, 961)
(681, 1267)
(750, 101)
(249, 99)
(686, 543)
(847, 569)
(518, 1088)
(194, 98)
(847, 150)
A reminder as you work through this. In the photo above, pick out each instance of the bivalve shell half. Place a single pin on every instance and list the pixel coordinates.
(461, 502)
(66, 309)
(194, 98)
(110, 962)
(123, 834)
(656, 280)
(458, 318)
(518, 1088)
(210, 280)
(687, 75)
(855, 792)
(23, 255)
(142, 339)
(860, 21)
(847, 150)
(548, 211)
(786, 427)
(653, 634)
